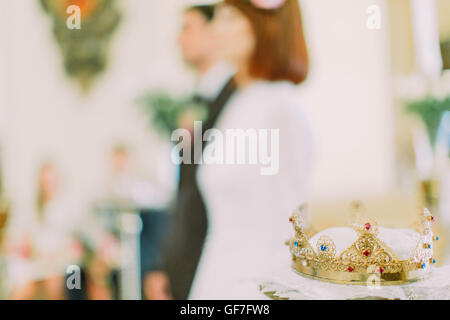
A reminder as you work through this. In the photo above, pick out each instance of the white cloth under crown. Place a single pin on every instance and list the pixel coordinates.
(284, 283)
(401, 241)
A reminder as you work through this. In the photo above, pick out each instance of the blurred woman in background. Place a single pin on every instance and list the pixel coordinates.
(248, 211)
(42, 252)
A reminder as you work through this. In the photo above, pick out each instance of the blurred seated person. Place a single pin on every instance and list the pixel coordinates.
(104, 267)
(126, 191)
(128, 188)
(41, 248)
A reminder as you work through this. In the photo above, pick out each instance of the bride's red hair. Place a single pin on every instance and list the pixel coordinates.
(280, 52)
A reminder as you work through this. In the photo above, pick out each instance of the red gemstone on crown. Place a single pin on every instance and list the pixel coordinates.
(290, 219)
(381, 270)
(368, 226)
(367, 253)
(350, 269)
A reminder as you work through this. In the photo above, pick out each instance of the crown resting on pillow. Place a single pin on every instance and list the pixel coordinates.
(362, 252)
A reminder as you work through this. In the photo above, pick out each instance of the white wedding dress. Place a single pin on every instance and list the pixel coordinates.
(248, 212)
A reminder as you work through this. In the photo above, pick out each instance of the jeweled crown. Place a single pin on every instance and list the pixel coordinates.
(367, 260)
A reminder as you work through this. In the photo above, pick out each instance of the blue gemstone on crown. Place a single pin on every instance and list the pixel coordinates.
(423, 266)
(296, 243)
(323, 247)
(429, 246)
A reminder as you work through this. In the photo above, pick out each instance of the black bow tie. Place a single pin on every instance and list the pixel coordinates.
(201, 100)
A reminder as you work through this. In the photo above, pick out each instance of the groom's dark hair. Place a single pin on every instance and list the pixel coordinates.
(206, 10)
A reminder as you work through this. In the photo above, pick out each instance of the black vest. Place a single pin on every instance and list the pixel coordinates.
(187, 233)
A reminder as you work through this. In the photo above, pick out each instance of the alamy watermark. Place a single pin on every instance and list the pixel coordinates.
(233, 146)
(374, 279)
(74, 19)
(374, 18)
(73, 281)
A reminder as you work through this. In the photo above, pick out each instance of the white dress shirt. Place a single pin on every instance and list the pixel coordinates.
(214, 80)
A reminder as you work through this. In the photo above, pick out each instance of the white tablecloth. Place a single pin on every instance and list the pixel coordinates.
(284, 283)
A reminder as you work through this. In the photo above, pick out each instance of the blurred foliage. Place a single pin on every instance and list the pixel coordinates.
(166, 112)
(84, 50)
(445, 49)
(430, 110)
(4, 217)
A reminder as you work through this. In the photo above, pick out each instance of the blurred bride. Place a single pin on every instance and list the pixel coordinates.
(249, 211)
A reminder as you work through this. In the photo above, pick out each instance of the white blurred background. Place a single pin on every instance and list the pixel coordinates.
(362, 135)
(348, 96)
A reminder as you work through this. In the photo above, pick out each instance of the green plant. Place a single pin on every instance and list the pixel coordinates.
(430, 110)
(165, 111)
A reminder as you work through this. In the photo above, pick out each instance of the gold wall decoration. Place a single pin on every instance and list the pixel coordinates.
(84, 50)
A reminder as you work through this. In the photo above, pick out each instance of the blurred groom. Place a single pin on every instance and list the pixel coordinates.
(186, 235)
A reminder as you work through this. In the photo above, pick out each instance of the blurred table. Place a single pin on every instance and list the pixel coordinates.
(123, 220)
(140, 232)
(130, 248)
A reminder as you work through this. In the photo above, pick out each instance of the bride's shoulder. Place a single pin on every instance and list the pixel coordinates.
(273, 87)
(273, 90)
(274, 95)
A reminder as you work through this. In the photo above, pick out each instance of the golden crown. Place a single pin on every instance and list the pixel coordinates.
(366, 259)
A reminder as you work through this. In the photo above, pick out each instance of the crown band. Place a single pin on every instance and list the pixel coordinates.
(358, 278)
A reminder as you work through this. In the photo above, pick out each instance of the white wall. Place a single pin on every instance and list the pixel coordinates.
(46, 116)
(347, 97)
(3, 80)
